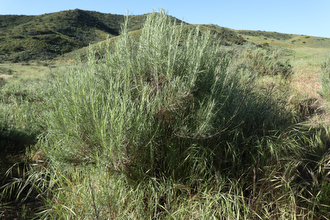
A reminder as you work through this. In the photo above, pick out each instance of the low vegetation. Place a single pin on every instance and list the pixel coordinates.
(266, 34)
(164, 123)
(326, 79)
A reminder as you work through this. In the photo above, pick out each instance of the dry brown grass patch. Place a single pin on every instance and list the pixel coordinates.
(4, 76)
(306, 81)
(306, 84)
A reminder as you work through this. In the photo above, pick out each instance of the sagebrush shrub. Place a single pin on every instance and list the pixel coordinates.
(171, 125)
(168, 103)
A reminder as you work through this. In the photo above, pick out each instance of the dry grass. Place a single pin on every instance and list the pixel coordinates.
(25, 71)
(32, 70)
(306, 80)
(305, 85)
(4, 76)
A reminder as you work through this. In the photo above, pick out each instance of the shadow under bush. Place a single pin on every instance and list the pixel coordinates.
(13, 141)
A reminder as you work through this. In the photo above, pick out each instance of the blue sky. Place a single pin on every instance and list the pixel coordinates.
(285, 16)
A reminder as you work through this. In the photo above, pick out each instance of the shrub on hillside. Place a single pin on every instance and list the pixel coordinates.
(163, 106)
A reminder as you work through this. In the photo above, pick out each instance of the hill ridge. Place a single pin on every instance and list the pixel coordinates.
(45, 36)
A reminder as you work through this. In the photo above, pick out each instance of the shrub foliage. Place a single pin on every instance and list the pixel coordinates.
(165, 104)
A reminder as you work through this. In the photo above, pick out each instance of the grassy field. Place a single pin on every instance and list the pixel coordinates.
(169, 123)
(12, 72)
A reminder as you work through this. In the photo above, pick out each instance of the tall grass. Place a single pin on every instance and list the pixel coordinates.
(171, 126)
(21, 110)
(265, 61)
(325, 79)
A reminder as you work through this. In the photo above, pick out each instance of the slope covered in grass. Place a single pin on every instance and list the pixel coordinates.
(49, 35)
(301, 46)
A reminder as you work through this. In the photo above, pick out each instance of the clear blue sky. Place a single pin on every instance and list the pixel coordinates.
(308, 17)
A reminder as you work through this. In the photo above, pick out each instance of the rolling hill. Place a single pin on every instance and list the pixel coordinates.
(24, 38)
(46, 36)
(300, 45)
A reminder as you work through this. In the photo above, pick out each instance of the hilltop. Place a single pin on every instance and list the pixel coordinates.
(46, 36)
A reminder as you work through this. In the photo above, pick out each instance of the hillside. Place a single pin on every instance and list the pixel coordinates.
(275, 38)
(46, 36)
(301, 46)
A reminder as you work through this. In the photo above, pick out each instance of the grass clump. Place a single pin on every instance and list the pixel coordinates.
(265, 62)
(164, 108)
(154, 103)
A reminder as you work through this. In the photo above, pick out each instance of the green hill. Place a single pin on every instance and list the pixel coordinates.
(49, 35)
(300, 45)
(46, 36)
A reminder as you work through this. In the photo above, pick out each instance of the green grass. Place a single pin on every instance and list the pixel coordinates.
(14, 72)
(325, 77)
(23, 92)
(166, 123)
